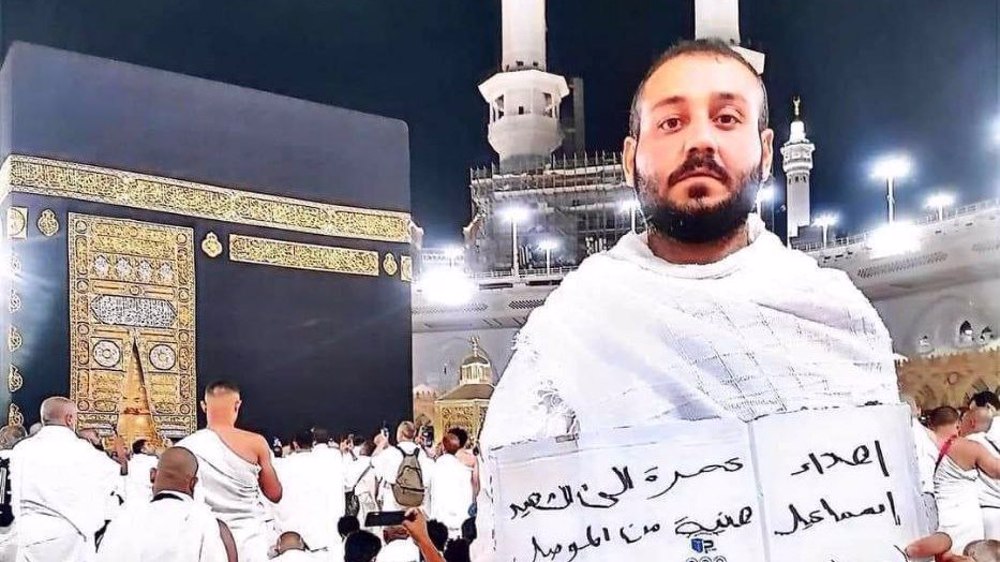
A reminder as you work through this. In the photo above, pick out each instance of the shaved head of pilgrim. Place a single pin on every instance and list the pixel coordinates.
(698, 146)
(57, 410)
(222, 402)
(177, 470)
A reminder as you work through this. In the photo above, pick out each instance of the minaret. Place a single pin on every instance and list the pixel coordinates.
(524, 98)
(720, 19)
(797, 162)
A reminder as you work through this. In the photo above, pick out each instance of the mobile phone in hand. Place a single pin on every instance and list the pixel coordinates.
(385, 518)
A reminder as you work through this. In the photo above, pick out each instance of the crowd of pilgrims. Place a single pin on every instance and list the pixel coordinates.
(957, 452)
(223, 494)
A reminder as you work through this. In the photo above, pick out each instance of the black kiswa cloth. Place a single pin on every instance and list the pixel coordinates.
(298, 342)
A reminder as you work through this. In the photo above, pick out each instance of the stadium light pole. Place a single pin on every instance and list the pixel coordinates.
(890, 169)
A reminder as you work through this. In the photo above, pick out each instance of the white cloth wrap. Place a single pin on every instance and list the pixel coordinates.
(630, 339)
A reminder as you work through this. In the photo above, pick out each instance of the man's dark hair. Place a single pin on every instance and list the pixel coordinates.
(137, 446)
(451, 444)
(303, 438)
(713, 47)
(942, 416)
(361, 546)
(986, 398)
(463, 436)
(457, 551)
(348, 524)
(221, 385)
(438, 532)
(367, 448)
(469, 531)
(321, 435)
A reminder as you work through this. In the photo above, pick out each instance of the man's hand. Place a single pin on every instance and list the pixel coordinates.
(267, 478)
(415, 523)
(937, 545)
(120, 453)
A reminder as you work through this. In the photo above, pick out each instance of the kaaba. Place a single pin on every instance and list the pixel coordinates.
(163, 231)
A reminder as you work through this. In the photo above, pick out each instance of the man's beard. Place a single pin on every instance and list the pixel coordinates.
(695, 223)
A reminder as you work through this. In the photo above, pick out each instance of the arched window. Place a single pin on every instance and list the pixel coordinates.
(986, 336)
(965, 333)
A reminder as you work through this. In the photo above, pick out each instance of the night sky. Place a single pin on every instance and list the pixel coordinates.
(875, 75)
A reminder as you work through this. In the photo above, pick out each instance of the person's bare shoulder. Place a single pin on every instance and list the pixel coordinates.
(966, 443)
(966, 451)
(250, 436)
(252, 440)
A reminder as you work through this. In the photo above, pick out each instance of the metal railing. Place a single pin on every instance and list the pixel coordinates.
(525, 273)
(438, 256)
(930, 218)
(555, 163)
(438, 260)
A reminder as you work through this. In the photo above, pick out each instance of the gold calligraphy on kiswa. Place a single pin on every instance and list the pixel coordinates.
(43, 176)
(265, 251)
(132, 326)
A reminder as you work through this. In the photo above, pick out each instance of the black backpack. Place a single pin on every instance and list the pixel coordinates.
(352, 504)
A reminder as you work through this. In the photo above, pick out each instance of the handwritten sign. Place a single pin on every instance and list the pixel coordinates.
(839, 482)
(821, 485)
(669, 492)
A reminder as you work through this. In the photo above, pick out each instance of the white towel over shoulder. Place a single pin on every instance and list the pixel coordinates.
(630, 339)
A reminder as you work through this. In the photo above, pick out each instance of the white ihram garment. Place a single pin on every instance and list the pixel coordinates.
(60, 485)
(630, 339)
(228, 485)
(957, 493)
(138, 485)
(361, 478)
(299, 556)
(399, 550)
(452, 493)
(173, 528)
(312, 499)
(989, 489)
(927, 453)
(8, 535)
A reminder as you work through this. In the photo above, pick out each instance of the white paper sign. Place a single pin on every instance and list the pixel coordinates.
(715, 491)
(653, 493)
(839, 485)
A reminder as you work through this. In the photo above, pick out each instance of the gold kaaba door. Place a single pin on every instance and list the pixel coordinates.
(132, 327)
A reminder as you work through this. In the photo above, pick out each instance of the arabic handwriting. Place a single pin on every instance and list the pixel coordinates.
(826, 512)
(565, 496)
(687, 527)
(731, 465)
(594, 538)
(861, 455)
